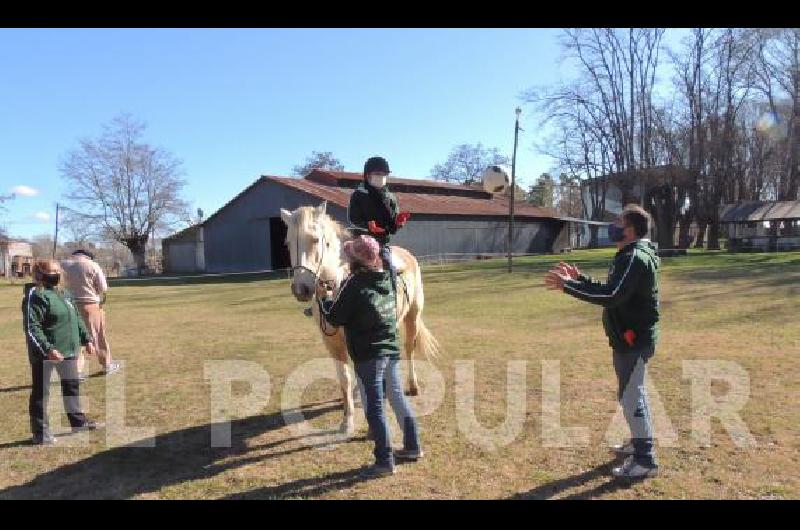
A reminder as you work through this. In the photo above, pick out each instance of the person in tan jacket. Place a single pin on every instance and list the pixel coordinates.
(87, 283)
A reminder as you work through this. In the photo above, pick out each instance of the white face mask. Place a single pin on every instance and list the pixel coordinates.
(377, 181)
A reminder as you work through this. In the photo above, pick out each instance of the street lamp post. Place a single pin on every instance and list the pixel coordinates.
(55, 236)
(518, 111)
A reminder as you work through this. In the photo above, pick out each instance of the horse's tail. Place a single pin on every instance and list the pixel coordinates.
(424, 342)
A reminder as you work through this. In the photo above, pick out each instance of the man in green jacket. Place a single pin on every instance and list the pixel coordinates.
(630, 318)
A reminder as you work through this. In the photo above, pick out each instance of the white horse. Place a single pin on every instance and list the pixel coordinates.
(315, 247)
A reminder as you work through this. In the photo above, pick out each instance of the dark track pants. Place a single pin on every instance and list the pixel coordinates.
(41, 373)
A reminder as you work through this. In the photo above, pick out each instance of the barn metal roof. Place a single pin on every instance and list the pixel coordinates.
(423, 203)
(349, 179)
(754, 211)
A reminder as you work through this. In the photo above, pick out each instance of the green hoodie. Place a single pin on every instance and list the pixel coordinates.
(365, 307)
(51, 321)
(629, 297)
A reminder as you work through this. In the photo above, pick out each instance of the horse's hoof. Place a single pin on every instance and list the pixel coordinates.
(412, 392)
(347, 428)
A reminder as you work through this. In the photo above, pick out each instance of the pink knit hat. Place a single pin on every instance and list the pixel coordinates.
(365, 250)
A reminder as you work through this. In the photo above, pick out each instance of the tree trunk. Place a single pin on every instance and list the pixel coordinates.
(713, 235)
(701, 234)
(684, 224)
(138, 247)
(660, 203)
(593, 242)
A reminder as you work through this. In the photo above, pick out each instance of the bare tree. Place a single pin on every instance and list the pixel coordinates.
(581, 145)
(466, 163)
(123, 186)
(778, 79)
(318, 160)
(618, 70)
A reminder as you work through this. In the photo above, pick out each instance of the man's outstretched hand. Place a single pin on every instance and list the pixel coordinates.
(554, 279)
(568, 270)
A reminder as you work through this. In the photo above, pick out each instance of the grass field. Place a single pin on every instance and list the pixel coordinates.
(740, 308)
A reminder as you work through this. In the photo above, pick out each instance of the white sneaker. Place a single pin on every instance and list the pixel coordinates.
(112, 369)
(631, 470)
(625, 449)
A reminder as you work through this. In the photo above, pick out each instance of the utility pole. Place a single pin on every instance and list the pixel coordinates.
(55, 237)
(518, 111)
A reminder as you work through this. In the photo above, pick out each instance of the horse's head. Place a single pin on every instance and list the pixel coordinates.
(314, 248)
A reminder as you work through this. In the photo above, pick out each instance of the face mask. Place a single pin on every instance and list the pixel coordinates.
(50, 280)
(377, 181)
(616, 233)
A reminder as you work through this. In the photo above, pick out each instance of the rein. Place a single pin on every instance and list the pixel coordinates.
(323, 326)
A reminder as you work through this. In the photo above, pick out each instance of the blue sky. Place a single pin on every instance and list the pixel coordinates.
(234, 104)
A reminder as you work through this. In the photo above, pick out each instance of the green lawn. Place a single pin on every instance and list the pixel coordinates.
(716, 306)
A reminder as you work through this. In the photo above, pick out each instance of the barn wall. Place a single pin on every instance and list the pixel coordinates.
(184, 253)
(237, 238)
(428, 235)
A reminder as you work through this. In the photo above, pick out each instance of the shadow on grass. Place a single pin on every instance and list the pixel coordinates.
(305, 487)
(179, 456)
(556, 487)
(15, 389)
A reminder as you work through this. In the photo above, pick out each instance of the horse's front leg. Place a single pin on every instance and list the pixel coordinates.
(339, 353)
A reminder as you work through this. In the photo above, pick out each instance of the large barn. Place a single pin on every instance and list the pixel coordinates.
(247, 234)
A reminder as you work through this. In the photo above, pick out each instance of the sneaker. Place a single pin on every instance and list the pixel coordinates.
(377, 471)
(625, 449)
(631, 470)
(112, 369)
(89, 425)
(307, 312)
(409, 454)
(44, 439)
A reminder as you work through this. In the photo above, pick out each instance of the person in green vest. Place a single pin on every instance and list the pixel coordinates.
(365, 307)
(55, 333)
(630, 302)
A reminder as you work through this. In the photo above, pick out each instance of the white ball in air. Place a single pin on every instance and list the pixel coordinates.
(496, 179)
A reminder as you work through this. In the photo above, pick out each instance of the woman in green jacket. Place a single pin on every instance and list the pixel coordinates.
(365, 306)
(54, 333)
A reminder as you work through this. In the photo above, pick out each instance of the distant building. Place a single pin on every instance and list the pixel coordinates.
(644, 181)
(762, 225)
(16, 258)
(247, 234)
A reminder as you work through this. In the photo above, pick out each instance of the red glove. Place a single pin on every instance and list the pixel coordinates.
(630, 336)
(374, 228)
(402, 218)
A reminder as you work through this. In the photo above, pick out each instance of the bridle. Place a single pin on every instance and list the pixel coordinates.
(322, 324)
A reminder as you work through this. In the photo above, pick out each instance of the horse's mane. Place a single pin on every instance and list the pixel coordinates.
(329, 225)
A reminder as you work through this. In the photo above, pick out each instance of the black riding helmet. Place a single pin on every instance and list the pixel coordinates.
(376, 164)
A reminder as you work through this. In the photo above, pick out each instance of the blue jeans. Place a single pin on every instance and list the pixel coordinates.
(630, 367)
(371, 375)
